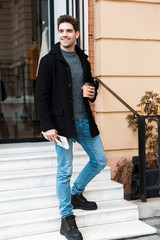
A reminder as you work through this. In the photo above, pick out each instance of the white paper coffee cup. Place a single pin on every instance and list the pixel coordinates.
(86, 86)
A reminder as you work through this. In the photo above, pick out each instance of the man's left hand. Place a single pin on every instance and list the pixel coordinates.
(91, 92)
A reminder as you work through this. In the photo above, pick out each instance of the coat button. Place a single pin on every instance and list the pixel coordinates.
(70, 101)
(69, 85)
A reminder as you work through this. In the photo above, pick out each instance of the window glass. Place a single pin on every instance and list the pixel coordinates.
(23, 37)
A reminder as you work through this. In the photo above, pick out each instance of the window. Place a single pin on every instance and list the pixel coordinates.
(75, 8)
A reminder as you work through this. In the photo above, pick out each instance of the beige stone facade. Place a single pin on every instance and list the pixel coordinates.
(127, 59)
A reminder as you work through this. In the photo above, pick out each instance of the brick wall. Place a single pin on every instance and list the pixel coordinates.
(91, 40)
(5, 31)
(91, 32)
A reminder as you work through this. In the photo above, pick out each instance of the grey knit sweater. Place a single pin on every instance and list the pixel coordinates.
(77, 82)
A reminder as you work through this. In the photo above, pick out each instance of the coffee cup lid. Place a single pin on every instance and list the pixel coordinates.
(88, 83)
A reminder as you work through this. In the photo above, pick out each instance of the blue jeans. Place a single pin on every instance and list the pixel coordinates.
(97, 161)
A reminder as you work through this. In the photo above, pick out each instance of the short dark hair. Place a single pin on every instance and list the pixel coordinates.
(68, 19)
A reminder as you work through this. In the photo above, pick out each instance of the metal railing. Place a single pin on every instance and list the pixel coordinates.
(142, 158)
(143, 171)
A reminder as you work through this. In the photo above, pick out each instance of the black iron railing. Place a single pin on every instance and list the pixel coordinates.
(143, 171)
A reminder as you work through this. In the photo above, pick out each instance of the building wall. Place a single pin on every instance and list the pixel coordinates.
(15, 29)
(91, 20)
(21, 28)
(127, 59)
(91, 33)
(5, 31)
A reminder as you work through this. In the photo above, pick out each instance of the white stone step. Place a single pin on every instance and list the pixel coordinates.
(45, 197)
(30, 147)
(35, 160)
(120, 230)
(25, 147)
(46, 220)
(40, 178)
(29, 206)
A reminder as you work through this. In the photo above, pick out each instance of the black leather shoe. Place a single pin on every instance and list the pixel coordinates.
(80, 202)
(69, 228)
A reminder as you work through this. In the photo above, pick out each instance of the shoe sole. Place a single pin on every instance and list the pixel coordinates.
(88, 209)
(80, 238)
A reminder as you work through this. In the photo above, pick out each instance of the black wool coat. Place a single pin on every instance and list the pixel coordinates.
(53, 95)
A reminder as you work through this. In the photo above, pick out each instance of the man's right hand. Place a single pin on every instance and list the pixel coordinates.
(52, 135)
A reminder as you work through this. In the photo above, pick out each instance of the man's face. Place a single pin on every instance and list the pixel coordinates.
(67, 36)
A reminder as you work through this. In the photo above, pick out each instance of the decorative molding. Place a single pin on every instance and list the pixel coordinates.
(132, 1)
(128, 39)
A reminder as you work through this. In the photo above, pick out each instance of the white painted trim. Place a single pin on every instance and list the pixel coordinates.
(86, 25)
(49, 27)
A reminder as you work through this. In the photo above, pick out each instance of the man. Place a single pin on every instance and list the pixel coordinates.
(63, 110)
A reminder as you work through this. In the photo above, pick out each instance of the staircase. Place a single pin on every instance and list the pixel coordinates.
(29, 207)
